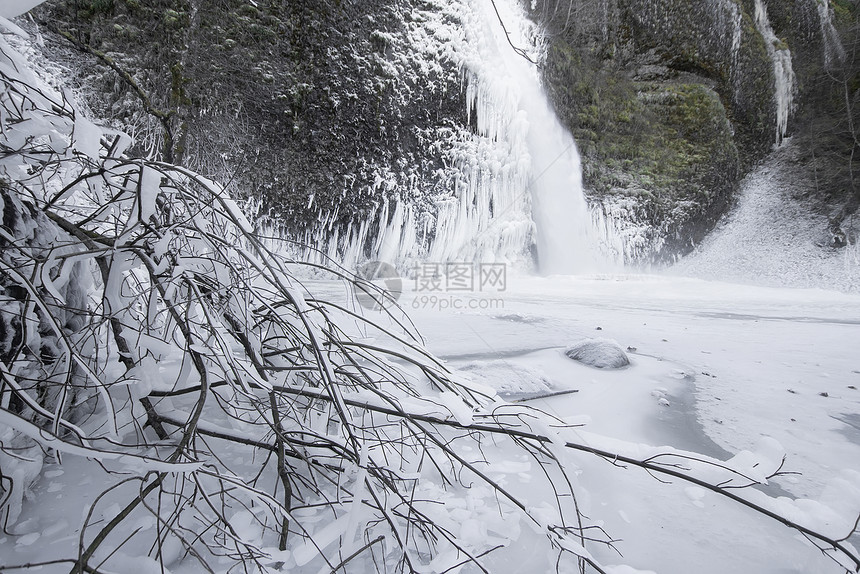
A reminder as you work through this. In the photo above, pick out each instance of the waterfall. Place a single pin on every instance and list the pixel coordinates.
(782, 70)
(833, 49)
(512, 109)
(514, 177)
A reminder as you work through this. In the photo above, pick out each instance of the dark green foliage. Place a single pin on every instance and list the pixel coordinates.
(657, 114)
(844, 10)
(828, 123)
(669, 145)
(96, 8)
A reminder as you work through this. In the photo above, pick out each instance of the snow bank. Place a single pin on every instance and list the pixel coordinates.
(507, 377)
(775, 237)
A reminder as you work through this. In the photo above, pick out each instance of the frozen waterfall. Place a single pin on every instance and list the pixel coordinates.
(832, 45)
(515, 181)
(512, 109)
(782, 70)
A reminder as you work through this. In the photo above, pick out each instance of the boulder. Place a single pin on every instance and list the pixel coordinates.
(599, 353)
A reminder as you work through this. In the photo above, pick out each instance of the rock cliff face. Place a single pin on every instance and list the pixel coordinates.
(342, 119)
(319, 111)
(672, 101)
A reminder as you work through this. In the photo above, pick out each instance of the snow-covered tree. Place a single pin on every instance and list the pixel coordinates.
(147, 328)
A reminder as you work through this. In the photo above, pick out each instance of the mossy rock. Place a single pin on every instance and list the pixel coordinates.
(668, 146)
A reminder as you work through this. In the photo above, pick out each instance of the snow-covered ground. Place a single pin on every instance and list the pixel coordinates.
(716, 369)
(774, 237)
(725, 360)
(738, 361)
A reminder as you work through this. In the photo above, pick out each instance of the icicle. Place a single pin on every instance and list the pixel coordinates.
(516, 182)
(782, 71)
(520, 179)
(833, 49)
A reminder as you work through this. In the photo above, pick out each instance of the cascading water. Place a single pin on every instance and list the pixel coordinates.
(503, 78)
(782, 71)
(833, 49)
(516, 181)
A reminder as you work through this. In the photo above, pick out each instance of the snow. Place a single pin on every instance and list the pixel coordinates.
(774, 236)
(49, 441)
(833, 49)
(721, 351)
(12, 8)
(512, 109)
(726, 355)
(724, 381)
(12, 28)
(458, 408)
(514, 183)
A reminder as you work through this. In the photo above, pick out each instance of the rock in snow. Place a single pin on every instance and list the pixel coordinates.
(600, 353)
